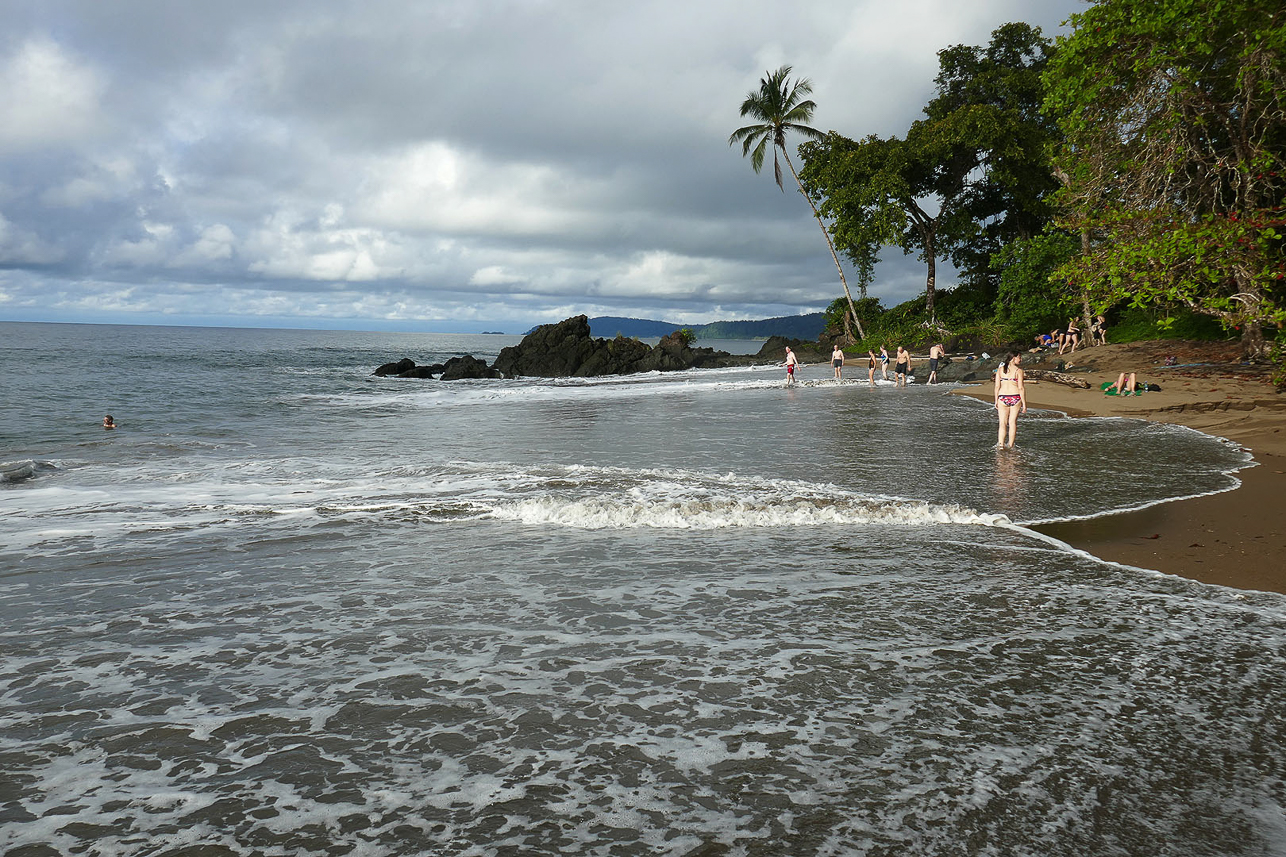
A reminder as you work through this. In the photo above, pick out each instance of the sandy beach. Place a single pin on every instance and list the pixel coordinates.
(1236, 538)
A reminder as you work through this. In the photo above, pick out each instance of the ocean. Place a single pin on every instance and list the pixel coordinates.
(289, 608)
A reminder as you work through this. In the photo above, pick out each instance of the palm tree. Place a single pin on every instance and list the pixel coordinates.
(777, 106)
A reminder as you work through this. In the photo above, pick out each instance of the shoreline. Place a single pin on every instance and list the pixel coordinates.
(1234, 538)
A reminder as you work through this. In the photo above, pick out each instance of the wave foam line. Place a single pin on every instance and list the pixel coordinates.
(728, 513)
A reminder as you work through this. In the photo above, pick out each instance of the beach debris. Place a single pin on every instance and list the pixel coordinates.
(1056, 378)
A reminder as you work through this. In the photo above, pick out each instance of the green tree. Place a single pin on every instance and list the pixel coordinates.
(988, 103)
(778, 109)
(883, 192)
(1027, 302)
(970, 176)
(1175, 158)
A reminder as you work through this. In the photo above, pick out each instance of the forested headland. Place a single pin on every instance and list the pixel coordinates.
(1133, 168)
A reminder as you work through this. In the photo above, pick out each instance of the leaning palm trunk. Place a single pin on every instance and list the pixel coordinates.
(778, 106)
(830, 245)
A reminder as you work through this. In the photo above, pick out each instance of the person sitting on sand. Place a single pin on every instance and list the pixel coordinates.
(1044, 341)
(903, 366)
(1125, 385)
(837, 360)
(109, 423)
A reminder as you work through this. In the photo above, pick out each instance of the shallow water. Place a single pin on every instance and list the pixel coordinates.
(288, 608)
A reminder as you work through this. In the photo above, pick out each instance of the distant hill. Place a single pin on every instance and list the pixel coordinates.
(790, 326)
(608, 326)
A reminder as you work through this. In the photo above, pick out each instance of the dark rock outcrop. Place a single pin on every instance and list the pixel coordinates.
(549, 351)
(406, 364)
(970, 369)
(806, 351)
(406, 368)
(567, 349)
(467, 366)
(422, 371)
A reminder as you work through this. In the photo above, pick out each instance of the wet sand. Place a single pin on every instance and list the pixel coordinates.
(1236, 538)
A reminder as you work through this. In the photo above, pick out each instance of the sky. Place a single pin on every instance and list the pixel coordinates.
(446, 165)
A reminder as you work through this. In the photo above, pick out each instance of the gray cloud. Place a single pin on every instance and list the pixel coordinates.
(477, 163)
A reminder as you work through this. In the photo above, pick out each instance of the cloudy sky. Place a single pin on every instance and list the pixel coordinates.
(446, 165)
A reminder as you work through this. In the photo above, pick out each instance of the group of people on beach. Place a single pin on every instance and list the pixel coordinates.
(1069, 338)
(901, 369)
(1010, 389)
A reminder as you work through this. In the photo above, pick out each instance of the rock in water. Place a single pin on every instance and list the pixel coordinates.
(549, 351)
(567, 349)
(406, 364)
(467, 366)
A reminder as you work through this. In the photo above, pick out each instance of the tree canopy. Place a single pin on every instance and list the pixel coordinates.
(971, 175)
(988, 104)
(1137, 162)
(1175, 161)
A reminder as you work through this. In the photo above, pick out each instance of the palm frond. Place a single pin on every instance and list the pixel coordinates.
(801, 112)
(811, 133)
(745, 133)
(757, 157)
(777, 106)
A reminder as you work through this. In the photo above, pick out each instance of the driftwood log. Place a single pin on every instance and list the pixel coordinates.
(1056, 377)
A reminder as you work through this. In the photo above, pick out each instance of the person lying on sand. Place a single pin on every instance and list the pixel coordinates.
(1124, 386)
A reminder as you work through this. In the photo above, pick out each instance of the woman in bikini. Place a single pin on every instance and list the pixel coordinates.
(1071, 336)
(870, 371)
(1011, 397)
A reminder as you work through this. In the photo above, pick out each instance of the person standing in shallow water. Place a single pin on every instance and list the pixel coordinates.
(884, 362)
(903, 366)
(935, 356)
(837, 360)
(1011, 396)
(791, 363)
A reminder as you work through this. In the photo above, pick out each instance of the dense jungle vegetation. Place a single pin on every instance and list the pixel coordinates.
(1134, 168)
